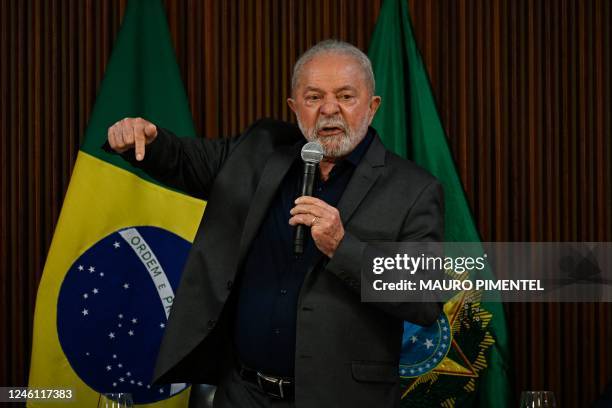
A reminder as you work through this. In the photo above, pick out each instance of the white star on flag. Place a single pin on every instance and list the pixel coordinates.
(95, 291)
(134, 320)
(428, 343)
(121, 379)
(85, 295)
(101, 273)
(91, 269)
(111, 335)
(414, 339)
(80, 267)
(126, 286)
(128, 374)
(120, 316)
(131, 332)
(114, 356)
(116, 244)
(85, 312)
(162, 325)
(108, 368)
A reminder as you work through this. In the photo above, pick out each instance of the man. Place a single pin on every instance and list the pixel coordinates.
(270, 327)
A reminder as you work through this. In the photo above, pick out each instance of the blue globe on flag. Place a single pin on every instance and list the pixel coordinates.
(113, 307)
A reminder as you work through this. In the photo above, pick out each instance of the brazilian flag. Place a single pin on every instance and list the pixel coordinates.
(121, 240)
(461, 361)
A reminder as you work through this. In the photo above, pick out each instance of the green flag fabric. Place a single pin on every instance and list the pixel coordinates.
(121, 240)
(474, 369)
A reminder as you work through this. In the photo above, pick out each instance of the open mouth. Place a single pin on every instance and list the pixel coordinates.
(330, 131)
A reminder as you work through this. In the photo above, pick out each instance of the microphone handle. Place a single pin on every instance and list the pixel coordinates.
(310, 171)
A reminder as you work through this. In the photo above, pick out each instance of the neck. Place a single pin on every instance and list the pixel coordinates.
(325, 167)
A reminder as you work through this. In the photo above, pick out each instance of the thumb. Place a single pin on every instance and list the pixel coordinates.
(150, 131)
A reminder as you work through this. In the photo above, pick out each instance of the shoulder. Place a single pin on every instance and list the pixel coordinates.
(402, 173)
(276, 132)
(408, 182)
(408, 169)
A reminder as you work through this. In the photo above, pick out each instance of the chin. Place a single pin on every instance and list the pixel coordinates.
(336, 149)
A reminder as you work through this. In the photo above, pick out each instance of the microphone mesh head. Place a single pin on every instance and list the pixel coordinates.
(312, 152)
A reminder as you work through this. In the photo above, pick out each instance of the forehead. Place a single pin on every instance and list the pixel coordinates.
(332, 71)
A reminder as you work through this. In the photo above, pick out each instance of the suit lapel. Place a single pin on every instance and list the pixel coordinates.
(273, 173)
(366, 174)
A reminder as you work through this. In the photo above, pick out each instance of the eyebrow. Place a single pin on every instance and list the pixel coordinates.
(342, 88)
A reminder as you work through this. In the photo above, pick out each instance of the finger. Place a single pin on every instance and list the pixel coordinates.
(312, 201)
(111, 137)
(127, 134)
(308, 209)
(301, 219)
(139, 142)
(150, 131)
(117, 140)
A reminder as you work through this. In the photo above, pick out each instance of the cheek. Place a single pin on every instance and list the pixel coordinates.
(307, 116)
(356, 115)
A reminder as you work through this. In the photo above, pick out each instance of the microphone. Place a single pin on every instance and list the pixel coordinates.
(312, 154)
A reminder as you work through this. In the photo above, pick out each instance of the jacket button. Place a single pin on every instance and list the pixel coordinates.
(230, 284)
(211, 323)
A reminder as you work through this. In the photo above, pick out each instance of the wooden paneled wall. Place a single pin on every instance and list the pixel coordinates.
(524, 90)
(523, 87)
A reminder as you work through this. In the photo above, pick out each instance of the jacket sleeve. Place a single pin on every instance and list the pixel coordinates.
(189, 164)
(424, 223)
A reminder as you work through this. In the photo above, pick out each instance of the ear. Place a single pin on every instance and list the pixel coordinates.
(374, 105)
(291, 103)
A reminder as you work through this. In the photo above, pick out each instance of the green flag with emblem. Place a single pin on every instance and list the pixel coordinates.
(471, 369)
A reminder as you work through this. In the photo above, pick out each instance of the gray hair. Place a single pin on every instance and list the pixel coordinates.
(332, 46)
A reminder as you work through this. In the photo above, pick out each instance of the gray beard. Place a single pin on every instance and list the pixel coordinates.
(347, 143)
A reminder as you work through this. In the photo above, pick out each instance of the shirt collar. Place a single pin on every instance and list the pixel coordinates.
(359, 151)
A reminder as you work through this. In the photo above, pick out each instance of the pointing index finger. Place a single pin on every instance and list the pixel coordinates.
(139, 142)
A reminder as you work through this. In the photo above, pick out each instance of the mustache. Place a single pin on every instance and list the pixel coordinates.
(330, 122)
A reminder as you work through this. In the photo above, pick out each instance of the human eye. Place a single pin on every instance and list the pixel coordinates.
(312, 97)
(346, 97)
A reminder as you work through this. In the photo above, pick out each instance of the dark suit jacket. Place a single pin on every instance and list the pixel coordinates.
(347, 352)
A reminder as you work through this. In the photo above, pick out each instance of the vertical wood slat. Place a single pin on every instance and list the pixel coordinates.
(524, 90)
(552, 73)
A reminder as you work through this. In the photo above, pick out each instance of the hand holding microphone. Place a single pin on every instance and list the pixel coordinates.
(323, 219)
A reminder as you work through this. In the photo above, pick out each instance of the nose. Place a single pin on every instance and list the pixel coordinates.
(329, 107)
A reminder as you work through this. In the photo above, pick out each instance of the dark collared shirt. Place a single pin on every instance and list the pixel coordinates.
(265, 324)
